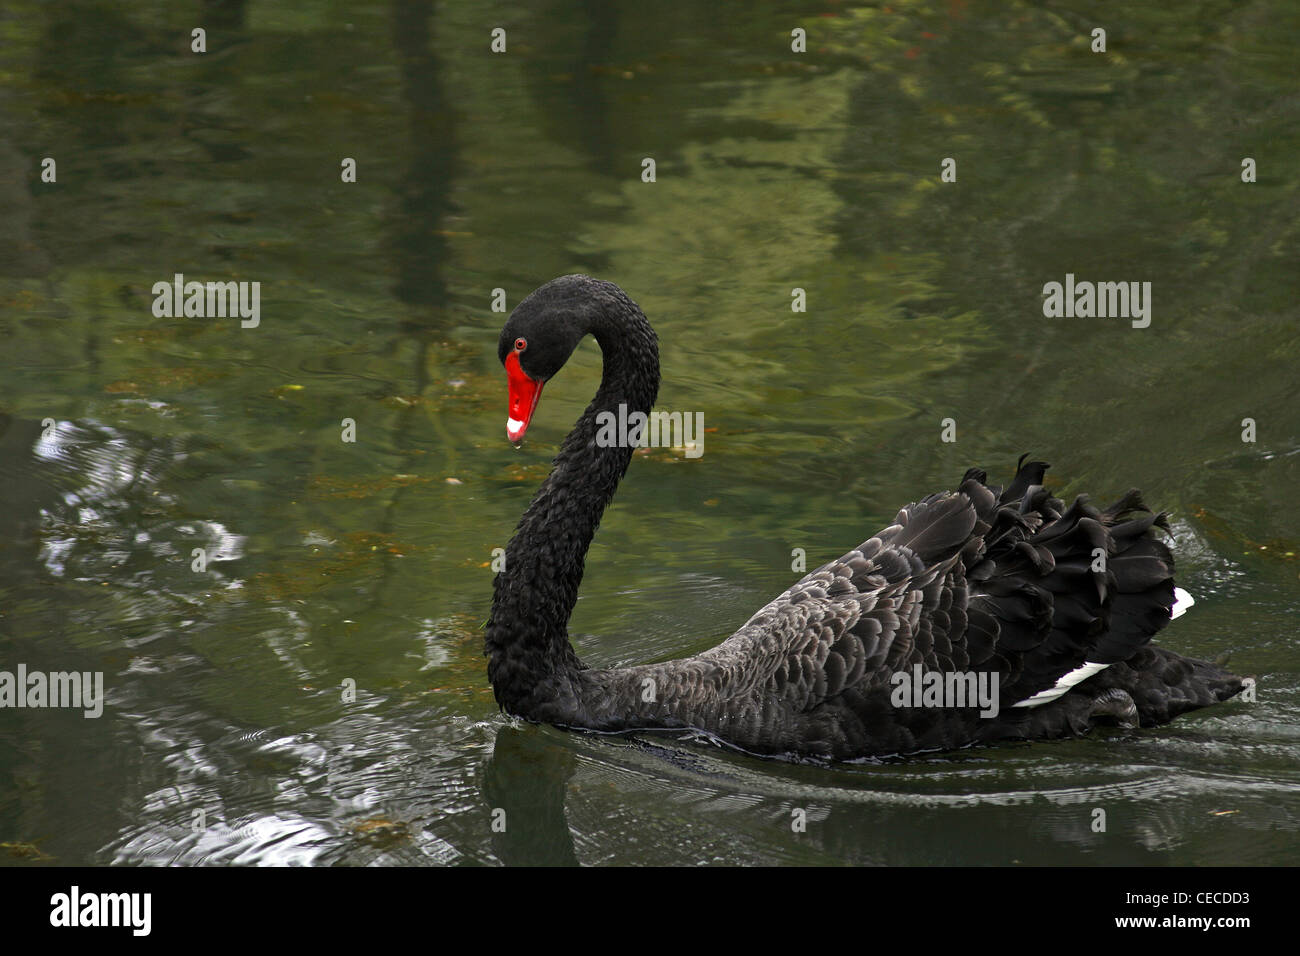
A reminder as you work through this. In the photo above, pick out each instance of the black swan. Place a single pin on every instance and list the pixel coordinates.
(1053, 608)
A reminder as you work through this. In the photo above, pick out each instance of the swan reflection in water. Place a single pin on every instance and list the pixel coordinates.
(525, 782)
(663, 799)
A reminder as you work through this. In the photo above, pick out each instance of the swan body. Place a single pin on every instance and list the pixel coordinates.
(1049, 609)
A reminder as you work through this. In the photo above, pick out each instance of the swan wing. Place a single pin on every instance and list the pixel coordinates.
(977, 581)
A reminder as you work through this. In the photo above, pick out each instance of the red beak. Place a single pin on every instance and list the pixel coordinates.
(524, 393)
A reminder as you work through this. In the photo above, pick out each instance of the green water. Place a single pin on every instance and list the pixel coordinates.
(369, 561)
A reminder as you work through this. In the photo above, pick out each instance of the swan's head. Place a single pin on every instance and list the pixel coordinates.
(539, 337)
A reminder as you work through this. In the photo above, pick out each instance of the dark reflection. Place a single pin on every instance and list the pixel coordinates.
(527, 777)
(607, 79)
(417, 239)
(573, 96)
(417, 229)
(20, 253)
(77, 67)
(224, 15)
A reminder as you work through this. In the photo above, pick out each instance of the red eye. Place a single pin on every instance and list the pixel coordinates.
(521, 344)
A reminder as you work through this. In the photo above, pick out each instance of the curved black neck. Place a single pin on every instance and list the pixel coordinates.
(530, 658)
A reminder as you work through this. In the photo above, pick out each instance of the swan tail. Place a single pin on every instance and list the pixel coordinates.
(1061, 594)
(1165, 685)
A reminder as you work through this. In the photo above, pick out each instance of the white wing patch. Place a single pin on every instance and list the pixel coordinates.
(1182, 601)
(1065, 683)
